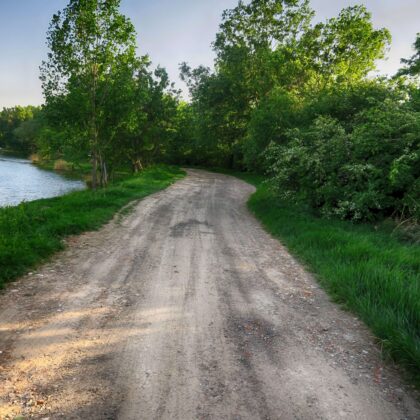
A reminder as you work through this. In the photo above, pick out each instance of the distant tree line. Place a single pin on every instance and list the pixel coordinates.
(19, 127)
(287, 97)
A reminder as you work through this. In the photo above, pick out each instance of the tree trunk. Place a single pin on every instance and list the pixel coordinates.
(137, 165)
(103, 172)
(94, 170)
(94, 131)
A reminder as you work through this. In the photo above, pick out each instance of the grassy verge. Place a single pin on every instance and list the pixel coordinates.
(370, 272)
(31, 232)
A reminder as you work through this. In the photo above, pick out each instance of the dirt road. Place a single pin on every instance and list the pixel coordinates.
(187, 309)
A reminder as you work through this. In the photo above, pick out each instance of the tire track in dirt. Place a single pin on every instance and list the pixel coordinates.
(187, 309)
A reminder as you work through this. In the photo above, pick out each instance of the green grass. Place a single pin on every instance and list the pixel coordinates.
(33, 231)
(370, 272)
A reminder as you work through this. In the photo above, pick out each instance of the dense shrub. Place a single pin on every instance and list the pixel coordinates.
(277, 113)
(362, 170)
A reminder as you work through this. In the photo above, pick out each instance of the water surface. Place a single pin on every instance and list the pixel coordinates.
(21, 181)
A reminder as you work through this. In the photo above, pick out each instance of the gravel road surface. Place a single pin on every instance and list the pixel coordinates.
(186, 308)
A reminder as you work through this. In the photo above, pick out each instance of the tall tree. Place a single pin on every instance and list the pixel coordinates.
(267, 46)
(91, 43)
(151, 105)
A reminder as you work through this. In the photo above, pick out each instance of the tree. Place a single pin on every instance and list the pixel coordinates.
(270, 47)
(181, 147)
(150, 109)
(91, 45)
(244, 46)
(341, 51)
(412, 65)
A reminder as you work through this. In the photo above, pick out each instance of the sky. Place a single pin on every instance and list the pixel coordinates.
(170, 31)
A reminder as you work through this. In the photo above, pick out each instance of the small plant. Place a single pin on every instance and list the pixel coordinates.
(62, 166)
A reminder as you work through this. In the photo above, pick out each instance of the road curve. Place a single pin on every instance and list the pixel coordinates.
(186, 308)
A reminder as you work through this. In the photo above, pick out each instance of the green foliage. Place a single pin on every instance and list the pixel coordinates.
(103, 103)
(286, 96)
(223, 100)
(91, 61)
(19, 127)
(342, 169)
(181, 147)
(412, 65)
(342, 50)
(152, 111)
(270, 60)
(31, 232)
(292, 98)
(277, 113)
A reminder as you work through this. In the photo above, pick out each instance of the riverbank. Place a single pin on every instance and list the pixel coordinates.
(32, 231)
(371, 273)
(77, 170)
(71, 170)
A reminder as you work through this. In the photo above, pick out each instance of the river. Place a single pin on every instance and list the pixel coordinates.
(20, 181)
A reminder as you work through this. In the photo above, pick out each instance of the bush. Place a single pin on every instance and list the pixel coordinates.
(276, 114)
(62, 165)
(359, 168)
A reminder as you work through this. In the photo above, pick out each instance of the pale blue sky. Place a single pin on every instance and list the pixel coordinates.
(171, 31)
